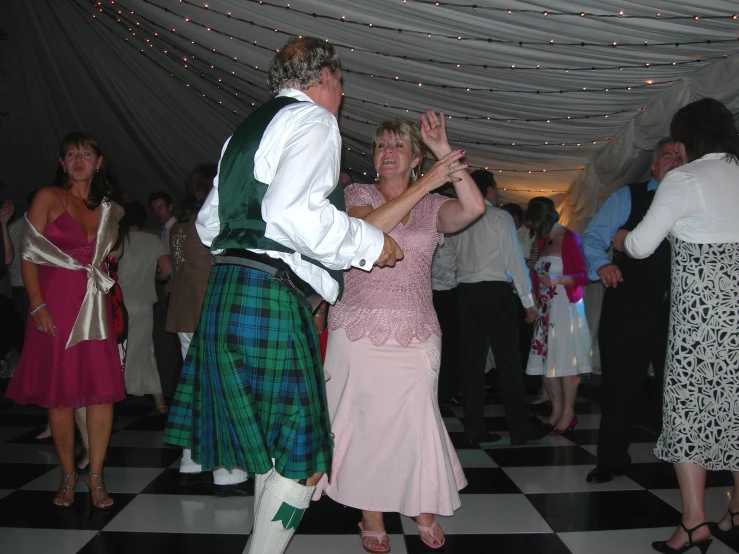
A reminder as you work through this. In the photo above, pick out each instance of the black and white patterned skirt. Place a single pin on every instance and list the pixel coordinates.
(701, 393)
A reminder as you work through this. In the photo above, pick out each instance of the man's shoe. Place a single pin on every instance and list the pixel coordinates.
(194, 479)
(482, 440)
(239, 489)
(602, 475)
(538, 432)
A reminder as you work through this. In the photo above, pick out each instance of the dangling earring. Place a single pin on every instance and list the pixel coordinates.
(413, 175)
(97, 169)
(378, 176)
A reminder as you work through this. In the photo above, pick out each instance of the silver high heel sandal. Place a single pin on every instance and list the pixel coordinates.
(103, 496)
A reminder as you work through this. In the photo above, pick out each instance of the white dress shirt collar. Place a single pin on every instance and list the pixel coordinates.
(295, 93)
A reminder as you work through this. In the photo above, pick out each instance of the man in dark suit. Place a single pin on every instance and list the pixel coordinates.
(635, 315)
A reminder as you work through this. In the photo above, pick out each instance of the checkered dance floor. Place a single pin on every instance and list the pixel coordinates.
(530, 499)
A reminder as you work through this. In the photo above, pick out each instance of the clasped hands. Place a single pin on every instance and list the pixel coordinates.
(390, 254)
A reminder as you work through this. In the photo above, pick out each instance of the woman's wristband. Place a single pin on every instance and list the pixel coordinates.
(37, 308)
(319, 311)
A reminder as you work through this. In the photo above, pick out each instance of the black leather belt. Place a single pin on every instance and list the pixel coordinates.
(276, 268)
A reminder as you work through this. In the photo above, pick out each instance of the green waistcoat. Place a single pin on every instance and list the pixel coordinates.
(240, 194)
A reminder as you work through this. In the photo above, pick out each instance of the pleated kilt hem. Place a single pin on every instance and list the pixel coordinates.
(252, 387)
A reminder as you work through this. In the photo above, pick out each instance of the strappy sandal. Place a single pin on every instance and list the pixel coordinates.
(662, 546)
(62, 492)
(378, 536)
(103, 496)
(430, 530)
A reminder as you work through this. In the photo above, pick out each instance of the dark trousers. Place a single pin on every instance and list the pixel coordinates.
(488, 315)
(631, 336)
(166, 345)
(445, 304)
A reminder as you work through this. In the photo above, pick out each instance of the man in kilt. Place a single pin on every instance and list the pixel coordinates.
(251, 394)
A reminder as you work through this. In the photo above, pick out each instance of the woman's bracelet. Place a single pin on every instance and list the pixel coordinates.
(319, 311)
(37, 308)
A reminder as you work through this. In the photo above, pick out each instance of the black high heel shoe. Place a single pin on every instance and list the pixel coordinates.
(661, 546)
(720, 533)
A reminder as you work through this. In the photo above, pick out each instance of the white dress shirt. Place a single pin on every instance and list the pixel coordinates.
(299, 158)
(696, 203)
(444, 267)
(488, 250)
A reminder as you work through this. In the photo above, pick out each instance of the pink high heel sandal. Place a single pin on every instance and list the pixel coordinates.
(570, 427)
(378, 536)
(430, 531)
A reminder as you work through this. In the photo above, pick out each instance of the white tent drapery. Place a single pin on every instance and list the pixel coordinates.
(124, 74)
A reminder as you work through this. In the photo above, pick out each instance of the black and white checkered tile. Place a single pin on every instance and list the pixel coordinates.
(530, 499)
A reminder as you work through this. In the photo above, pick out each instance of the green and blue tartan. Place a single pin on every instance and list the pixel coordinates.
(252, 388)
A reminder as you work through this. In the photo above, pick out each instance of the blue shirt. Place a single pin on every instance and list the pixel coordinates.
(596, 240)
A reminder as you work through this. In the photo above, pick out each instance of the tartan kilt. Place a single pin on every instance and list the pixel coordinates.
(252, 388)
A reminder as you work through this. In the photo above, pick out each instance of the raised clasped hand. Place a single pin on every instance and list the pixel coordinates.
(433, 132)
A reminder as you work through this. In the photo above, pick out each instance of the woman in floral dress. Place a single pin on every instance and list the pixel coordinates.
(561, 347)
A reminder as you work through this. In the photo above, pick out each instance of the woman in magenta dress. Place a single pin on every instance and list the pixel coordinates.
(70, 358)
(391, 450)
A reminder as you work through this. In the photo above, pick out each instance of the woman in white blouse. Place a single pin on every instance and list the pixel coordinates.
(696, 206)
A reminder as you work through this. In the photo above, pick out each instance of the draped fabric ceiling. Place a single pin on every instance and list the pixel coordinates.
(557, 97)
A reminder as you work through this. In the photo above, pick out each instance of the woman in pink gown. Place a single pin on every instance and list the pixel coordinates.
(70, 358)
(391, 450)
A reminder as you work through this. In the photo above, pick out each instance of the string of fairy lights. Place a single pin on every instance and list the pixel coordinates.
(190, 62)
(550, 42)
(621, 13)
(457, 37)
(426, 83)
(466, 117)
(648, 82)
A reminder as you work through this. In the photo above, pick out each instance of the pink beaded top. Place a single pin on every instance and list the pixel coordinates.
(393, 302)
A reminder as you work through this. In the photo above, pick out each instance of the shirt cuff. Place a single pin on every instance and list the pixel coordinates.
(371, 247)
(527, 301)
(593, 273)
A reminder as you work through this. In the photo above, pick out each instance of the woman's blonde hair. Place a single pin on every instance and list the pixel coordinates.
(406, 130)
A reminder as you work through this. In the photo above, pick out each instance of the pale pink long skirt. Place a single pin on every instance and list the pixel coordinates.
(391, 450)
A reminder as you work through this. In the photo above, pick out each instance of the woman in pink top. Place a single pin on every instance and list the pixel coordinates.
(391, 449)
(560, 349)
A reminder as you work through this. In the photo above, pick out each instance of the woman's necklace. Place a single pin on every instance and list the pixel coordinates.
(387, 197)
